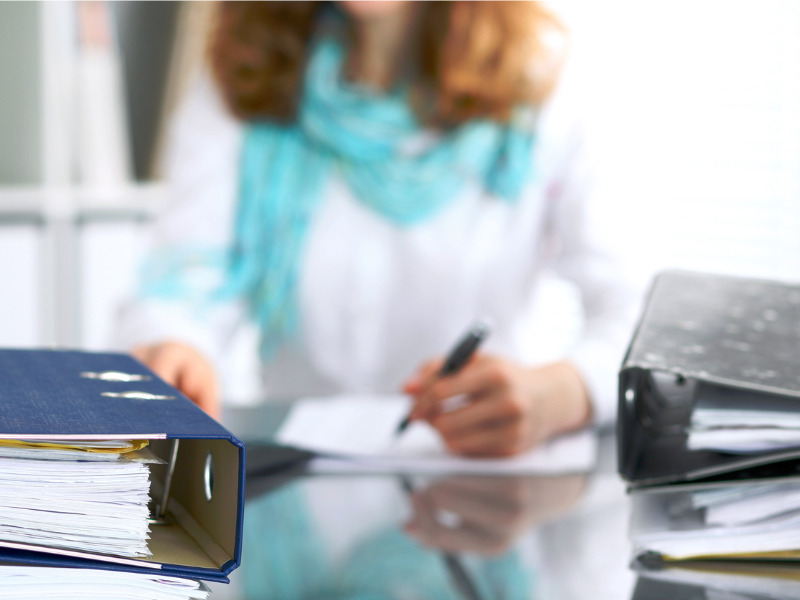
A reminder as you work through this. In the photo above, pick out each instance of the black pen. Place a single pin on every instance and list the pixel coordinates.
(457, 358)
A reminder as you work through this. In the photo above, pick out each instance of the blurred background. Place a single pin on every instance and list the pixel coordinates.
(694, 109)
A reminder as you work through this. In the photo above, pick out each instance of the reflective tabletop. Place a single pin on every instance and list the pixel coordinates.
(384, 536)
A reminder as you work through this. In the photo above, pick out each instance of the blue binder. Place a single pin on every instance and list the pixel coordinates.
(64, 394)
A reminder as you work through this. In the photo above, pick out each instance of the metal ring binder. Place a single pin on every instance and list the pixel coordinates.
(134, 395)
(115, 376)
(160, 516)
(208, 477)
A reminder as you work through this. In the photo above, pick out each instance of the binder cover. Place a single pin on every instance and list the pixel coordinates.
(702, 333)
(63, 395)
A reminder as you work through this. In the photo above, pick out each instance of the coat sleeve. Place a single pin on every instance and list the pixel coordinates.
(585, 227)
(190, 238)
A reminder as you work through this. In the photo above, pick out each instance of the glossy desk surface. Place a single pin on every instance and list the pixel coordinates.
(311, 536)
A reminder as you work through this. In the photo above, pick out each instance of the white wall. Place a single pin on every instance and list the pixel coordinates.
(696, 107)
(20, 284)
(110, 253)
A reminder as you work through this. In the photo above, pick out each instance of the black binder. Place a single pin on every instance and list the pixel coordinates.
(705, 334)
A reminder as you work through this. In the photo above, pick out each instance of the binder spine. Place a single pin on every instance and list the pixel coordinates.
(631, 435)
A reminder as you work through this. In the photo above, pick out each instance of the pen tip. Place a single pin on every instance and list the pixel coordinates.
(482, 327)
(403, 425)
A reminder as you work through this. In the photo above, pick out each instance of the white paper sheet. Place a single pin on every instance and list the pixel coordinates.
(357, 434)
(745, 585)
(33, 583)
(761, 504)
(743, 440)
(740, 519)
(743, 422)
(74, 504)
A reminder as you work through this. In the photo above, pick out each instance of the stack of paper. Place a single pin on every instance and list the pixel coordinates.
(741, 421)
(358, 434)
(740, 520)
(85, 496)
(33, 583)
(753, 581)
(736, 505)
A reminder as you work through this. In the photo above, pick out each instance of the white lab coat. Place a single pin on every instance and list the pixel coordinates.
(377, 299)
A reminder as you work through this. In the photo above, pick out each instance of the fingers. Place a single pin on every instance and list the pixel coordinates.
(494, 426)
(423, 377)
(182, 366)
(199, 383)
(497, 417)
(481, 411)
(167, 362)
(491, 441)
(480, 375)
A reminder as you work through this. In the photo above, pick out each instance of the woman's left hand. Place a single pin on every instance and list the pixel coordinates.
(507, 408)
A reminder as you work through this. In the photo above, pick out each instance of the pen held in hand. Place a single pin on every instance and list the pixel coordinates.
(458, 357)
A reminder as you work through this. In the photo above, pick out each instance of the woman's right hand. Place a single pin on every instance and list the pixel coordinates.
(185, 368)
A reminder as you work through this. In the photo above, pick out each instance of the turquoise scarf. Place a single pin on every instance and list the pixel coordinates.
(360, 135)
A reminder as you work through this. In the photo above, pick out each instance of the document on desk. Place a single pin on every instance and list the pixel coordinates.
(357, 434)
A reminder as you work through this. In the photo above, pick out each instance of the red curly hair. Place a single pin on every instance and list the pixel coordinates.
(474, 59)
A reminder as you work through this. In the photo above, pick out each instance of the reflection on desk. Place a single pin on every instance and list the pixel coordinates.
(486, 515)
(365, 537)
(312, 536)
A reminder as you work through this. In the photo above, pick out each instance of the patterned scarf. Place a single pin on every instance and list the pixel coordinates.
(362, 136)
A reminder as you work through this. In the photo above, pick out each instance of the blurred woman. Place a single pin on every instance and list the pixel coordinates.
(365, 179)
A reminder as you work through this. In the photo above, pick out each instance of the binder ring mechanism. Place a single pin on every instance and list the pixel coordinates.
(121, 377)
(133, 395)
(159, 516)
(115, 376)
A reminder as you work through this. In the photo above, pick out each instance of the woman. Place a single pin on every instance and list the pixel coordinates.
(365, 180)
